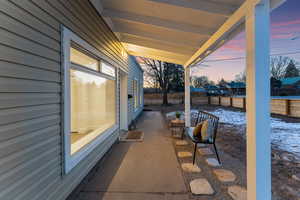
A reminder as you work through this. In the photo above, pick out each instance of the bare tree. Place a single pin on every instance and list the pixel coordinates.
(200, 81)
(241, 77)
(222, 82)
(161, 73)
(278, 66)
(291, 70)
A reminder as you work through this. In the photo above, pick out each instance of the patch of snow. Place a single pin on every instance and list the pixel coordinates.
(285, 135)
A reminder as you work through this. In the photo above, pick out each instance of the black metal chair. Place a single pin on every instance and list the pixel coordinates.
(214, 120)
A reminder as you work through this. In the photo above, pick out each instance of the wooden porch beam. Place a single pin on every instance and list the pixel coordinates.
(217, 8)
(154, 44)
(159, 37)
(232, 23)
(157, 56)
(187, 96)
(258, 101)
(155, 21)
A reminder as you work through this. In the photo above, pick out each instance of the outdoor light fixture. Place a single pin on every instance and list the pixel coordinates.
(208, 52)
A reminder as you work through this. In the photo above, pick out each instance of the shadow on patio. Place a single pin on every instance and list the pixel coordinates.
(140, 170)
(151, 170)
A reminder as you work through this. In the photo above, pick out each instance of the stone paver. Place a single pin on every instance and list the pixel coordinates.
(237, 192)
(189, 167)
(224, 175)
(201, 145)
(184, 154)
(296, 177)
(181, 143)
(212, 162)
(205, 151)
(201, 186)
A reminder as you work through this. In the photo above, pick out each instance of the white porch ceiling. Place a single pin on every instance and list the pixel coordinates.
(168, 30)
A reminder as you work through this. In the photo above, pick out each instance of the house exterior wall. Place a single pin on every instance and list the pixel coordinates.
(135, 73)
(31, 117)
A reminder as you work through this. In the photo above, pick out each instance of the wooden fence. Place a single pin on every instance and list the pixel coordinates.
(288, 107)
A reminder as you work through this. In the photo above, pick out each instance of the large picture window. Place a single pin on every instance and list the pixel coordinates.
(90, 99)
(92, 108)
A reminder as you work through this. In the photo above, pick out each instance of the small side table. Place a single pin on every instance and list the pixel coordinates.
(177, 125)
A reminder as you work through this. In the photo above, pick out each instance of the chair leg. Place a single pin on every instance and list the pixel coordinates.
(182, 133)
(195, 151)
(217, 153)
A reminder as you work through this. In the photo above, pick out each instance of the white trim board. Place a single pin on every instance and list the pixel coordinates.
(70, 161)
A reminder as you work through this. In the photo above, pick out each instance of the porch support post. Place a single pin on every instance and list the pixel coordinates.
(258, 101)
(187, 95)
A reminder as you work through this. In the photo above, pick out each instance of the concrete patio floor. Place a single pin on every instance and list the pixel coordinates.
(139, 170)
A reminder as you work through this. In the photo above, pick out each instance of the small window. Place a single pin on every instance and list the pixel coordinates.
(107, 69)
(135, 94)
(141, 94)
(83, 59)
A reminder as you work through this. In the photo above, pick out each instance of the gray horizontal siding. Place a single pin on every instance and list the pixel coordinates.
(21, 57)
(135, 72)
(13, 70)
(16, 10)
(18, 159)
(30, 94)
(16, 129)
(12, 24)
(25, 141)
(12, 100)
(23, 85)
(16, 41)
(8, 116)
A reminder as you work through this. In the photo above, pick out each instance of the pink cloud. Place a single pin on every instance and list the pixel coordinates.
(235, 44)
(287, 23)
(235, 47)
(282, 36)
(222, 57)
(286, 29)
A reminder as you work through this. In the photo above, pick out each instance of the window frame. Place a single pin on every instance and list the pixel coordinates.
(135, 94)
(109, 65)
(69, 39)
(141, 94)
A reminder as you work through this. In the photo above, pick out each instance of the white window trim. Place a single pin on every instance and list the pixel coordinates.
(70, 161)
(137, 95)
(141, 93)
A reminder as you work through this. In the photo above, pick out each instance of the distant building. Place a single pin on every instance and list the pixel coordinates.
(212, 90)
(194, 89)
(291, 83)
(236, 88)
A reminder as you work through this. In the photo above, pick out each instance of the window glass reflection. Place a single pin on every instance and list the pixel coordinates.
(93, 107)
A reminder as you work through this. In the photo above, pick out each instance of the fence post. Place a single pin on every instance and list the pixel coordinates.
(208, 100)
(244, 104)
(219, 100)
(287, 107)
(230, 101)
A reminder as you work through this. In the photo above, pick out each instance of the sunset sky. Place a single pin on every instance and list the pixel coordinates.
(229, 60)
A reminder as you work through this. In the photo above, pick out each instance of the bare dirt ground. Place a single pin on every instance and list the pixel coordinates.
(230, 140)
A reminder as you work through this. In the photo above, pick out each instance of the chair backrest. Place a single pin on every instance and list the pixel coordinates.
(202, 116)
